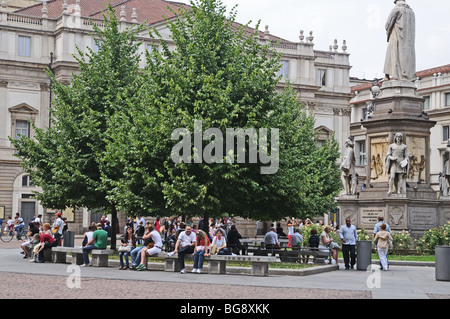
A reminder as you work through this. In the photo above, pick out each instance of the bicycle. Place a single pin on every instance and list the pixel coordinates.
(7, 235)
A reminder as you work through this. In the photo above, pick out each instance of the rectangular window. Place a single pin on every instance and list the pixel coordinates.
(445, 133)
(362, 152)
(447, 99)
(27, 181)
(284, 69)
(24, 46)
(426, 103)
(321, 77)
(22, 128)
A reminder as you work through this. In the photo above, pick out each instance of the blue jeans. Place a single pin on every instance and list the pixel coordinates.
(86, 251)
(198, 259)
(122, 255)
(136, 256)
(18, 230)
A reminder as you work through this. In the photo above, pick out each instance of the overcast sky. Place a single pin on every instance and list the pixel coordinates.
(360, 22)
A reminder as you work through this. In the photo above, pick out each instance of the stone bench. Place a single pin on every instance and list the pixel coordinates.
(217, 263)
(260, 264)
(47, 252)
(99, 256)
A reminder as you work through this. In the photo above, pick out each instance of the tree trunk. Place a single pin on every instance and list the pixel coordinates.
(113, 227)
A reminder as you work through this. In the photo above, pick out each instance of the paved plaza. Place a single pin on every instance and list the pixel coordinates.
(66, 281)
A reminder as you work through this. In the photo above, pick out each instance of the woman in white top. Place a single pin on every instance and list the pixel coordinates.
(151, 249)
(324, 243)
(219, 244)
(291, 225)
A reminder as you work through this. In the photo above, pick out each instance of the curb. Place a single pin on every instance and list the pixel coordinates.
(246, 270)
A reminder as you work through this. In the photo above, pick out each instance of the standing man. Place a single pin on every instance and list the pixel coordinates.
(185, 245)
(376, 229)
(397, 165)
(400, 60)
(348, 236)
(349, 178)
(57, 228)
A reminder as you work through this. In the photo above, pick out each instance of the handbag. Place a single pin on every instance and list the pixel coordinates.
(391, 244)
(124, 249)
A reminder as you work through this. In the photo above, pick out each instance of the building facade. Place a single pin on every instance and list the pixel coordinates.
(47, 34)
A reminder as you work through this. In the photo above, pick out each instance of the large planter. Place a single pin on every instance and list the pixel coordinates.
(364, 254)
(442, 264)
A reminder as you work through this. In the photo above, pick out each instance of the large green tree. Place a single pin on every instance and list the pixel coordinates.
(220, 74)
(66, 160)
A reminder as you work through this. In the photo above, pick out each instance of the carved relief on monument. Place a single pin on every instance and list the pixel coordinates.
(348, 213)
(417, 152)
(378, 148)
(397, 217)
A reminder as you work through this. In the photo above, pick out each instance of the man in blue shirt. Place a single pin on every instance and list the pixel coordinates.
(376, 229)
(348, 236)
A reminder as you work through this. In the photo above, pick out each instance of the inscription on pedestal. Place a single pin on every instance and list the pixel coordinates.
(369, 216)
(422, 217)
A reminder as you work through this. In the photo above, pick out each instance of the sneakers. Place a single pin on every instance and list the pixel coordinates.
(85, 265)
(140, 267)
(194, 270)
(199, 271)
(183, 271)
(170, 254)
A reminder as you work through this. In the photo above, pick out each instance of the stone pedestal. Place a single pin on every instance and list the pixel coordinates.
(397, 109)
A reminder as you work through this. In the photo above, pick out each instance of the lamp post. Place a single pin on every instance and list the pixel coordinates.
(375, 90)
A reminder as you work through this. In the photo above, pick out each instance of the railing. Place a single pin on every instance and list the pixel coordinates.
(14, 17)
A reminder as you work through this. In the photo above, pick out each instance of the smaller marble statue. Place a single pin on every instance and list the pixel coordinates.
(349, 178)
(397, 165)
(445, 176)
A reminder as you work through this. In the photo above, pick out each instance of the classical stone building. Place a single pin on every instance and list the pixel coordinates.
(46, 34)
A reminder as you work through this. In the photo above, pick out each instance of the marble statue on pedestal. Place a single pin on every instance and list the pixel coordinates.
(349, 178)
(397, 165)
(444, 179)
(400, 60)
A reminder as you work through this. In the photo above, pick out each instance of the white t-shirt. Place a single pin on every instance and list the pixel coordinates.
(59, 223)
(157, 239)
(89, 235)
(186, 240)
(219, 242)
(291, 230)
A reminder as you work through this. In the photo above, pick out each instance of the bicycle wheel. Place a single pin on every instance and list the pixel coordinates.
(23, 235)
(6, 236)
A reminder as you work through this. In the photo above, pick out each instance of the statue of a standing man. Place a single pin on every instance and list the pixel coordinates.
(400, 60)
(349, 178)
(445, 177)
(397, 165)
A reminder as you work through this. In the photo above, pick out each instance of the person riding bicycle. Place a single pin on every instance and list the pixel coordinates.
(18, 225)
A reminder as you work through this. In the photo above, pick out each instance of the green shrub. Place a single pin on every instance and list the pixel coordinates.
(434, 237)
(402, 241)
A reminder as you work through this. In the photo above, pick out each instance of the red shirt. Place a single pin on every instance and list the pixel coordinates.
(47, 238)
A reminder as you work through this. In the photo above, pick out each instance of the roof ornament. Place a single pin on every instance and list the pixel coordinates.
(310, 38)
(44, 10)
(134, 16)
(344, 45)
(335, 46)
(4, 5)
(65, 6)
(266, 33)
(123, 14)
(301, 36)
